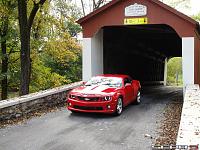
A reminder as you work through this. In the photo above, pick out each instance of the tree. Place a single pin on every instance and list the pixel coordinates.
(95, 4)
(63, 56)
(6, 30)
(68, 14)
(25, 24)
(61, 52)
(83, 7)
(174, 70)
(196, 17)
(55, 55)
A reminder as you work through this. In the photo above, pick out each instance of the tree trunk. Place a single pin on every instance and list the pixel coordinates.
(97, 4)
(83, 8)
(25, 48)
(4, 70)
(25, 24)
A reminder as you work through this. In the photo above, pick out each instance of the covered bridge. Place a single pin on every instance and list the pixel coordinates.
(137, 37)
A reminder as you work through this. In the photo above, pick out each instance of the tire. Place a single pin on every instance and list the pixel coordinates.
(138, 98)
(119, 106)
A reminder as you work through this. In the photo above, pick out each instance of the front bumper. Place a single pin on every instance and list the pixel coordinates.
(86, 106)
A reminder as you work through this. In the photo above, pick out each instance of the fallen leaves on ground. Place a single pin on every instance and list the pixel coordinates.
(170, 124)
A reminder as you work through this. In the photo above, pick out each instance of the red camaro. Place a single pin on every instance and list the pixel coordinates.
(105, 94)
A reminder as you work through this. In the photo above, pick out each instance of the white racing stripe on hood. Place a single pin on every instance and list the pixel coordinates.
(94, 89)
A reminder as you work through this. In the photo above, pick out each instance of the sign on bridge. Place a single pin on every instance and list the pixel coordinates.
(135, 21)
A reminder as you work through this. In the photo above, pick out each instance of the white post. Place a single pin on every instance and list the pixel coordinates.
(92, 56)
(165, 72)
(97, 53)
(188, 60)
(86, 59)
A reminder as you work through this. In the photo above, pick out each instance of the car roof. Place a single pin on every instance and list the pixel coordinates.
(114, 75)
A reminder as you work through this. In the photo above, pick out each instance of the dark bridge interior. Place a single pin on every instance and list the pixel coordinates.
(140, 51)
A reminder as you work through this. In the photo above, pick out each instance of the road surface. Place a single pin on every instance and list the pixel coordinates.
(62, 130)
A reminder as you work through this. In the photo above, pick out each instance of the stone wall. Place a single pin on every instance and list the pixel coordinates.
(17, 107)
(189, 129)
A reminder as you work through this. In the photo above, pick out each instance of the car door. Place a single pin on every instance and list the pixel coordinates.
(132, 95)
(128, 91)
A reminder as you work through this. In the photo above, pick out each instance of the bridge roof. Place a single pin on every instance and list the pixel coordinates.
(112, 14)
(115, 2)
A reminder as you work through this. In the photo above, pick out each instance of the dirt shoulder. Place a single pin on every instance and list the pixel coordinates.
(168, 129)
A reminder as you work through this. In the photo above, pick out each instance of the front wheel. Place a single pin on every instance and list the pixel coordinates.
(138, 98)
(119, 107)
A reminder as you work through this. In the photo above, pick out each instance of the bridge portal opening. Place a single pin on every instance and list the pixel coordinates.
(142, 51)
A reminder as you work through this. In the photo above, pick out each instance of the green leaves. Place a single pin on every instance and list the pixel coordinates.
(55, 55)
(68, 13)
(174, 71)
(43, 78)
(64, 57)
(197, 17)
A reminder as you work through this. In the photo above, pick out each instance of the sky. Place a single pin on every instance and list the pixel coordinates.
(195, 4)
(193, 10)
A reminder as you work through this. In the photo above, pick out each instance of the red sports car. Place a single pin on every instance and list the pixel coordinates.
(105, 94)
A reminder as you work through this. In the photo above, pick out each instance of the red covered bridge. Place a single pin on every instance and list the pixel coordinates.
(137, 37)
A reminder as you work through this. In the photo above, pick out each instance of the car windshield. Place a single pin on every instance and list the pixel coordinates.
(110, 81)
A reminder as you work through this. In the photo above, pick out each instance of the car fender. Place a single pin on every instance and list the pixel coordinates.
(118, 94)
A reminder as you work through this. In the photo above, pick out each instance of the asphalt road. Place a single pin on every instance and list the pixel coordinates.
(62, 130)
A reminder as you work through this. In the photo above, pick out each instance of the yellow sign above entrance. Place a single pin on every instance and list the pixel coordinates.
(134, 21)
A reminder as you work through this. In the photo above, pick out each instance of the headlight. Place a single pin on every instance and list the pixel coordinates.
(107, 98)
(72, 96)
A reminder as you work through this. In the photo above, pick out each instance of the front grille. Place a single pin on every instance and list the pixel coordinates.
(93, 99)
(87, 108)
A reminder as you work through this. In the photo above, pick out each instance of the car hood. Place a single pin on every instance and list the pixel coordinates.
(95, 89)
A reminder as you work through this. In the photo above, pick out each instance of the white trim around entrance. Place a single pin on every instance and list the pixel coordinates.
(188, 60)
(92, 56)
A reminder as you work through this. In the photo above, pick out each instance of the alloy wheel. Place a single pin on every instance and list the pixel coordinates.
(119, 106)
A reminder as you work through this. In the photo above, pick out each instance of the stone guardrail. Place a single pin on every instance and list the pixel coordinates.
(16, 107)
(189, 129)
